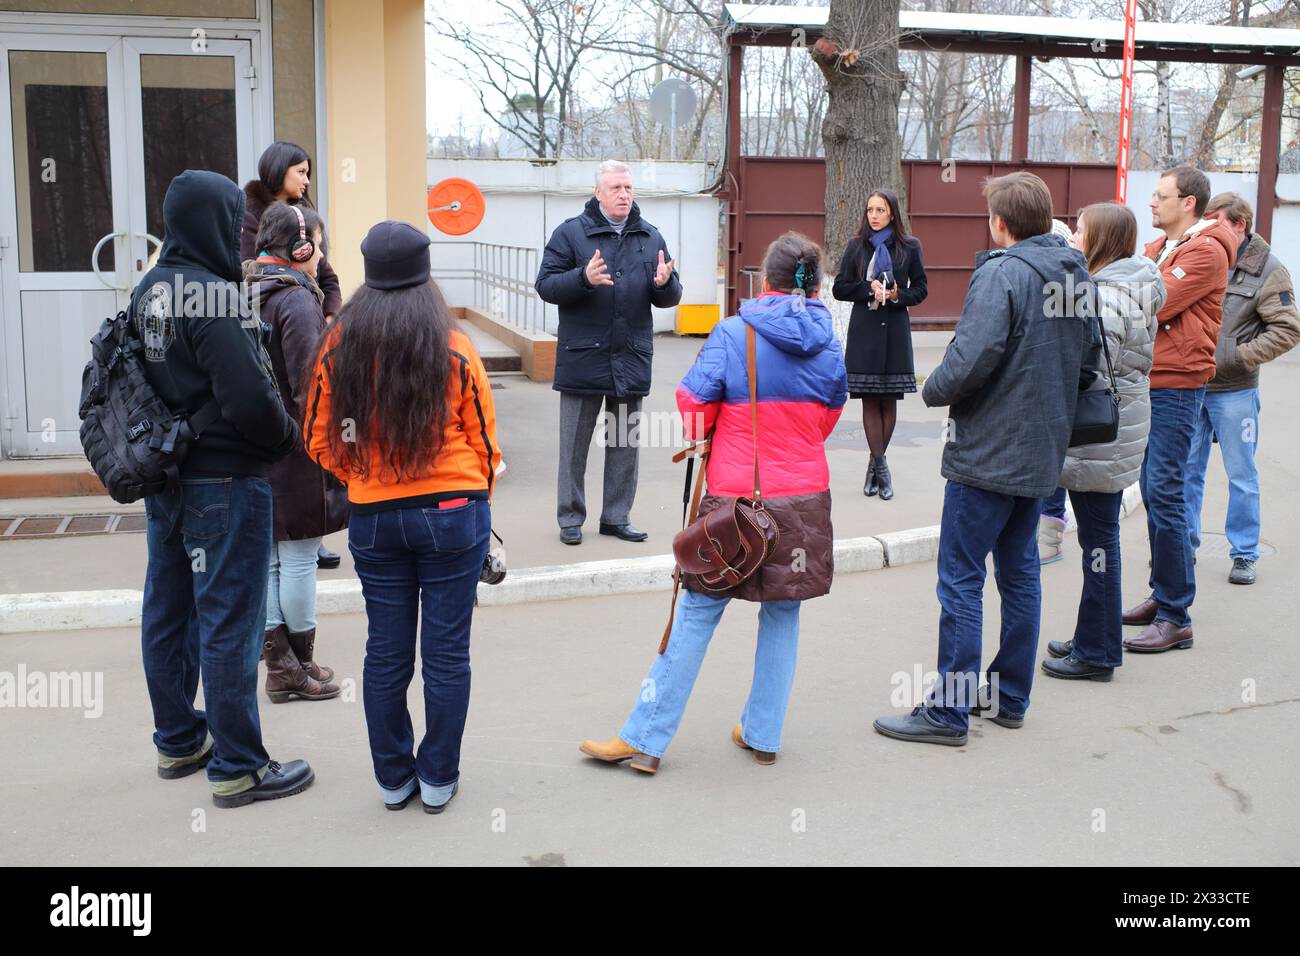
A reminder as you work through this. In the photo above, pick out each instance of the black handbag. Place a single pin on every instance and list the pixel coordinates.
(1096, 414)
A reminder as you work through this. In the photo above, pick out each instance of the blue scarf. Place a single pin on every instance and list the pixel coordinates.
(880, 240)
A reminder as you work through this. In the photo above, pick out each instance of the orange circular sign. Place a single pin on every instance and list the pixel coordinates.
(455, 206)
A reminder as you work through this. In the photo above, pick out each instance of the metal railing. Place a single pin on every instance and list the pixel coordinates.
(493, 278)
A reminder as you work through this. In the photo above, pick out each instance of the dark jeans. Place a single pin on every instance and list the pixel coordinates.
(1174, 414)
(1054, 504)
(418, 564)
(204, 613)
(1099, 630)
(976, 523)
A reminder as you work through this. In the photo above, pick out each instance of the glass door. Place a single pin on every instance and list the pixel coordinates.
(94, 129)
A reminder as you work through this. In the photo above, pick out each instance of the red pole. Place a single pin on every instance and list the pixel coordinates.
(1126, 102)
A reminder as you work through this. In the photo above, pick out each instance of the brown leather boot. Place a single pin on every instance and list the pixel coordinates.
(304, 646)
(764, 757)
(1160, 636)
(285, 677)
(616, 751)
(1143, 614)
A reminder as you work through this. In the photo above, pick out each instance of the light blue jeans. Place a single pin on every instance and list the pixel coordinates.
(1234, 418)
(291, 587)
(662, 699)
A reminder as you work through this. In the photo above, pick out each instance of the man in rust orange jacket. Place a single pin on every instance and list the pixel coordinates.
(1194, 256)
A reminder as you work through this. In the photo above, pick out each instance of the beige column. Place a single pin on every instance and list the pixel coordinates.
(374, 70)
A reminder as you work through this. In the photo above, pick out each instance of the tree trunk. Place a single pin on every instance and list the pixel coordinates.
(858, 55)
(1164, 125)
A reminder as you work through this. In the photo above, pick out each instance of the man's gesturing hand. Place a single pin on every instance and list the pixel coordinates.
(598, 272)
(663, 271)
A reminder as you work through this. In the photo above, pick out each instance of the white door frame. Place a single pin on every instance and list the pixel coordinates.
(122, 51)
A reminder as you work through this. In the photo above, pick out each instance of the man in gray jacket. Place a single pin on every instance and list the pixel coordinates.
(1260, 323)
(1011, 376)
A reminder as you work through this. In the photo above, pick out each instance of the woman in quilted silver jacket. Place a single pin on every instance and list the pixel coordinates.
(1128, 294)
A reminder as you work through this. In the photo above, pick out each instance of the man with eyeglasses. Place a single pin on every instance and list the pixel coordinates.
(1193, 256)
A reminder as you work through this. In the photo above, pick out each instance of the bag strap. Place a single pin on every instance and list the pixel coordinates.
(1106, 350)
(751, 364)
(207, 414)
(689, 513)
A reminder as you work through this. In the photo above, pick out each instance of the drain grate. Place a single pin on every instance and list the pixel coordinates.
(28, 527)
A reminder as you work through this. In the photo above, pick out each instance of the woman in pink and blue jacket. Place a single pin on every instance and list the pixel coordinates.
(802, 388)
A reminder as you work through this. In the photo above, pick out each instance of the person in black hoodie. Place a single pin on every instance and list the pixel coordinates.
(209, 542)
(284, 175)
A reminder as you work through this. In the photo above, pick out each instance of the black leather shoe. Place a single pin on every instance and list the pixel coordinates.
(571, 535)
(1060, 649)
(1067, 668)
(280, 780)
(885, 479)
(983, 708)
(919, 727)
(325, 558)
(1243, 571)
(430, 808)
(869, 485)
(624, 531)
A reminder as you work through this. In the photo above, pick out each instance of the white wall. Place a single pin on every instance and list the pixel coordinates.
(526, 200)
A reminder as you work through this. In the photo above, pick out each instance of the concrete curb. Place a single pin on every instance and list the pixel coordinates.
(74, 610)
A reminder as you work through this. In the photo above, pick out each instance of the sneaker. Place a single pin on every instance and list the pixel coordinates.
(1243, 571)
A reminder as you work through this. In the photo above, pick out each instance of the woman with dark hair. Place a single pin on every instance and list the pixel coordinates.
(308, 503)
(417, 448)
(283, 175)
(801, 392)
(881, 273)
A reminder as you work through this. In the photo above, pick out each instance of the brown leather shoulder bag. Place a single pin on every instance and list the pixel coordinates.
(729, 544)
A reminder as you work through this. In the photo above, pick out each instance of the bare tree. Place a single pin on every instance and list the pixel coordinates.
(532, 59)
(858, 55)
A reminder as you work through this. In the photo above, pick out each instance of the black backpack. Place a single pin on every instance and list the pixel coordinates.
(135, 443)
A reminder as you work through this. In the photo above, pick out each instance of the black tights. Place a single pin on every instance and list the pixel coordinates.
(879, 416)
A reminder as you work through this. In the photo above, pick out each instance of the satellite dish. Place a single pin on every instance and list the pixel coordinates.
(455, 206)
(673, 102)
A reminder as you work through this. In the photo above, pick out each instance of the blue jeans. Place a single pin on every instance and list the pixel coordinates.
(976, 523)
(1234, 418)
(418, 565)
(291, 585)
(1099, 630)
(204, 611)
(663, 695)
(1174, 414)
(1054, 504)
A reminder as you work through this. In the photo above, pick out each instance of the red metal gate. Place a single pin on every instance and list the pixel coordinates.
(945, 208)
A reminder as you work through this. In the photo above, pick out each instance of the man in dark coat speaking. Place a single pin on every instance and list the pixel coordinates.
(604, 269)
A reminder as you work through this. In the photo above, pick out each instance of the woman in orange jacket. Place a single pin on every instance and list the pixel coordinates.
(401, 411)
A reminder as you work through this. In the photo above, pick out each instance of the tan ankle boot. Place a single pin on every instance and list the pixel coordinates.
(616, 750)
(304, 648)
(285, 677)
(764, 757)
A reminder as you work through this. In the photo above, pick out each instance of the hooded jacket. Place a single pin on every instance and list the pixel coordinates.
(802, 387)
(1129, 293)
(201, 339)
(1196, 275)
(309, 502)
(1011, 373)
(256, 198)
(606, 333)
(1260, 321)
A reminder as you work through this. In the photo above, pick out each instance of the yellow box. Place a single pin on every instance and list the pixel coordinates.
(696, 319)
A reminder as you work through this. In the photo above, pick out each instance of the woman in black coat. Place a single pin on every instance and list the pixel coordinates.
(283, 175)
(881, 273)
(308, 503)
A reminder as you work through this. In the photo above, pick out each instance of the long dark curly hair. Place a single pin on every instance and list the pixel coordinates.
(389, 369)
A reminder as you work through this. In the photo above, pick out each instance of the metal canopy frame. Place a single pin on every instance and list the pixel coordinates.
(1026, 38)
